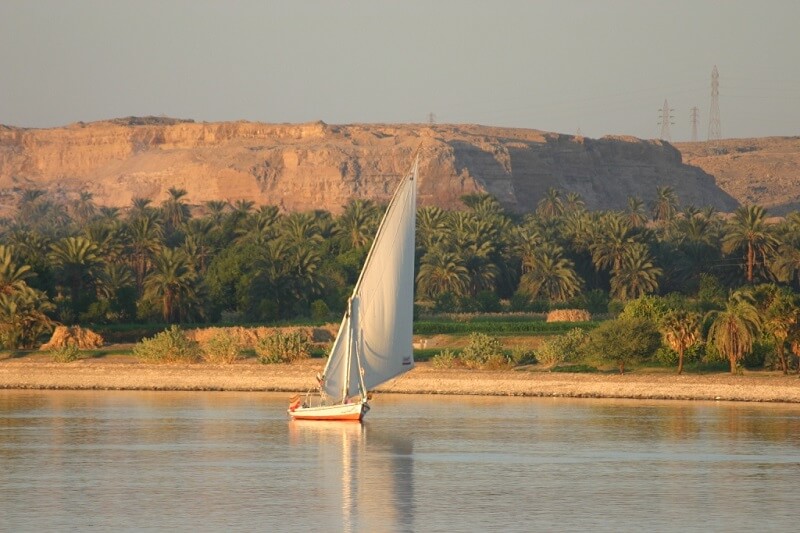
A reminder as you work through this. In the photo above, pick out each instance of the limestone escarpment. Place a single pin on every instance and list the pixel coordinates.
(320, 166)
(764, 171)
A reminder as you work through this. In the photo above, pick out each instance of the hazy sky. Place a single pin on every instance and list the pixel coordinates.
(604, 67)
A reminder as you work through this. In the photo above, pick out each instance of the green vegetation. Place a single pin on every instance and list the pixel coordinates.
(283, 348)
(169, 346)
(481, 352)
(65, 354)
(562, 349)
(715, 287)
(464, 328)
(223, 348)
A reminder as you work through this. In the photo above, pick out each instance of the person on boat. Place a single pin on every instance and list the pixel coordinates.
(294, 402)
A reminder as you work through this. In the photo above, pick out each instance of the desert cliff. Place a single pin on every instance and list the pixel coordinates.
(764, 171)
(321, 166)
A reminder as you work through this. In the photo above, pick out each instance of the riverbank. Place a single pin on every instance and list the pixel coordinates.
(124, 373)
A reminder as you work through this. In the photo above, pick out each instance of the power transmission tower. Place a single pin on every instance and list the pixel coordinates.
(714, 129)
(665, 119)
(694, 115)
(431, 118)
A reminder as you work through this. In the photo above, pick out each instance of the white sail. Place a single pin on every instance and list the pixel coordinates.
(376, 332)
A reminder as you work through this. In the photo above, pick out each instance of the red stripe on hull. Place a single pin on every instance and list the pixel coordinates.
(352, 418)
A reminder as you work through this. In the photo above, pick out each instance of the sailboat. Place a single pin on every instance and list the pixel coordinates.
(373, 344)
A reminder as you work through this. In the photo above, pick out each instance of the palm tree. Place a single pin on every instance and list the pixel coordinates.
(300, 228)
(140, 206)
(301, 273)
(76, 259)
(636, 274)
(358, 223)
(243, 206)
(579, 229)
(24, 317)
(113, 278)
(259, 227)
(612, 242)
(665, 204)
(442, 271)
(109, 237)
(116, 288)
(476, 240)
(780, 319)
(747, 230)
(573, 202)
(734, 328)
(172, 282)
(83, 208)
(196, 243)
(431, 226)
(551, 206)
(527, 246)
(785, 265)
(146, 235)
(12, 276)
(216, 211)
(550, 275)
(681, 329)
(635, 213)
(109, 214)
(176, 212)
(486, 206)
(29, 196)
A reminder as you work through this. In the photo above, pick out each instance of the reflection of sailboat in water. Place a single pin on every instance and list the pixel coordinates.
(368, 479)
(374, 340)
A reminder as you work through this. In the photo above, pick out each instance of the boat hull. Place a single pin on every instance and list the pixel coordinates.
(353, 412)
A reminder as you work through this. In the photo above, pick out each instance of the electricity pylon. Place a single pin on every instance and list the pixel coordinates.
(714, 128)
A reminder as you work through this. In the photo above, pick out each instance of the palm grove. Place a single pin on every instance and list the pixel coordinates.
(683, 273)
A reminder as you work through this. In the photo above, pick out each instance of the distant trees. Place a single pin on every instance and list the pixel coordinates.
(70, 261)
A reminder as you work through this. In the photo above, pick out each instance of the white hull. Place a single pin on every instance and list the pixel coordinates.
(346, 411)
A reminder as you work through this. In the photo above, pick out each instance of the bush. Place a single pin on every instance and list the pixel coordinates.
(648, 307)
(169, 346)
(521, 356)
(624, 340)
(562, 348)
(65, 354)
(445, 359)
(483, 351)
(666, 356)
(283, 348)
(223, 348)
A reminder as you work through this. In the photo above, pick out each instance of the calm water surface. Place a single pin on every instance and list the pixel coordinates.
(232, 461)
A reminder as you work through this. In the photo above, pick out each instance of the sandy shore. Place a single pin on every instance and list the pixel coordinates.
(124, 374)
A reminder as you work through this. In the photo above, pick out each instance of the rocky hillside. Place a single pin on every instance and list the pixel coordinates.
(321, 166)
(763, 171)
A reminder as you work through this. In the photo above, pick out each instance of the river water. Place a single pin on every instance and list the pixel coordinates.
(206, 461)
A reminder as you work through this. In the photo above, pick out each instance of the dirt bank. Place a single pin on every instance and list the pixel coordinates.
(123, 373)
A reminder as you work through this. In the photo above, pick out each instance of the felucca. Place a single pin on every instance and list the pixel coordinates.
(373, 344)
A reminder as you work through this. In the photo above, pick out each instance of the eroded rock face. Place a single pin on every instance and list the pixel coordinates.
(763, 171)
(320, 166)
